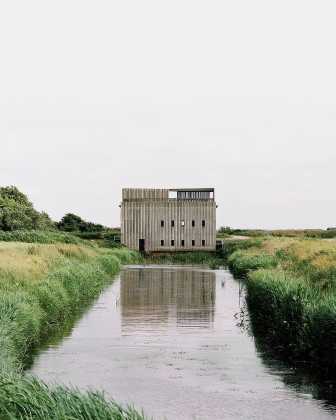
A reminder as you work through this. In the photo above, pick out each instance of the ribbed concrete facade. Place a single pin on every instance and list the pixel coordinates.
(163, 220)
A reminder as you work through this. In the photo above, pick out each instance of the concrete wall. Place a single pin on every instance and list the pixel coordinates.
(141, 219)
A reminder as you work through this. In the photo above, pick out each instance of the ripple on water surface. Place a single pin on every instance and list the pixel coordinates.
(168, 339)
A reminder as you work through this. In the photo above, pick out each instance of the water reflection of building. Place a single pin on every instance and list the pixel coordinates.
(161, 296)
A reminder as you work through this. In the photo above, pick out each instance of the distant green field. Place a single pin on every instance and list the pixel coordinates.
(291, 233)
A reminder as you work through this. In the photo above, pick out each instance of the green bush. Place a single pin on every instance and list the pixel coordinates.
(240, 262)
(17, 212)
(89, 235)
(230, 246)
(73, 223)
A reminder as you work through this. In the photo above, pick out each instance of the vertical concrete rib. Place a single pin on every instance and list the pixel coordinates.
(143, 209)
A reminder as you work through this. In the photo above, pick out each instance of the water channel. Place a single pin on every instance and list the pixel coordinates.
(170, 340)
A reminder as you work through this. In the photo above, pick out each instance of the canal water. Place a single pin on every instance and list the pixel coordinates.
(174, 341)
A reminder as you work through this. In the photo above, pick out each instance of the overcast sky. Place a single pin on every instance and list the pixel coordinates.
(235, 94)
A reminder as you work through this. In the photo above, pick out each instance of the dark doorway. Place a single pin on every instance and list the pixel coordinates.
(141, 245)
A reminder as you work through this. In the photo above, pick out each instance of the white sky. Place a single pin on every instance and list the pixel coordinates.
(239, 95)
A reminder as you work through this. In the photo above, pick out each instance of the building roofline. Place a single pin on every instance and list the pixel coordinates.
(171, 189)
(192, 189)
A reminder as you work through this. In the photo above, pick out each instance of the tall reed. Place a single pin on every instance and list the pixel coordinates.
(291, 294)
(294, 318)
(36, 303)
(40, 236)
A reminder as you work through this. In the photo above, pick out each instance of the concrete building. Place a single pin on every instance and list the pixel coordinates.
(155, 220)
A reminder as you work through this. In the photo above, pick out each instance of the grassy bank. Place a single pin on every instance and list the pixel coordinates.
(41, 237)
(291, 285)
(42, 286)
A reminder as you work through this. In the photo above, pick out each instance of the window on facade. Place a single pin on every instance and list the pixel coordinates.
(172, 194)
(203, 223)
(182, 223)
(193, 223)
(193, 242)
(172, 242)
(172, 223)
(162, 223)
(182, 242)
(162, 242)
(203, 242)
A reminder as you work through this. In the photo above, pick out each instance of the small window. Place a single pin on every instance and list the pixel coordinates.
(182, 242)
(203, 242)
(182, 223)
(172, 194)
(162, 242)
(162, 223)
(203, 223)
(172, 242)
(193, 223)
(172, 223)
(193, 242)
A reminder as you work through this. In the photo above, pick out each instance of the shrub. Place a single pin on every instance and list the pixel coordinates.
(241, 262)
(230, 246)
(17, 212)
(73, 223)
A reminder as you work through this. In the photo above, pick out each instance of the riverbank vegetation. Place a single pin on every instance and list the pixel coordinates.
(189, 258)
(41, 237)
(291, 293)
(213, 259)
(42, 286)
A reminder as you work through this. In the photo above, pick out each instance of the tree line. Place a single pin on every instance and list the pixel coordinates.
(18, 213)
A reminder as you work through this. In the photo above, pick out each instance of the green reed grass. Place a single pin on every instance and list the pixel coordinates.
(241, 262)
(35, 400)
(296, 319)
(291, 294)
(42, 237)
(30, 309)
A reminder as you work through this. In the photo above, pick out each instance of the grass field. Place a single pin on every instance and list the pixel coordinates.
(42, 286)
(281, 233)
(291, 285)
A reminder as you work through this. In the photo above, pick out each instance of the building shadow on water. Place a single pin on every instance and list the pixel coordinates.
(161, 297)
